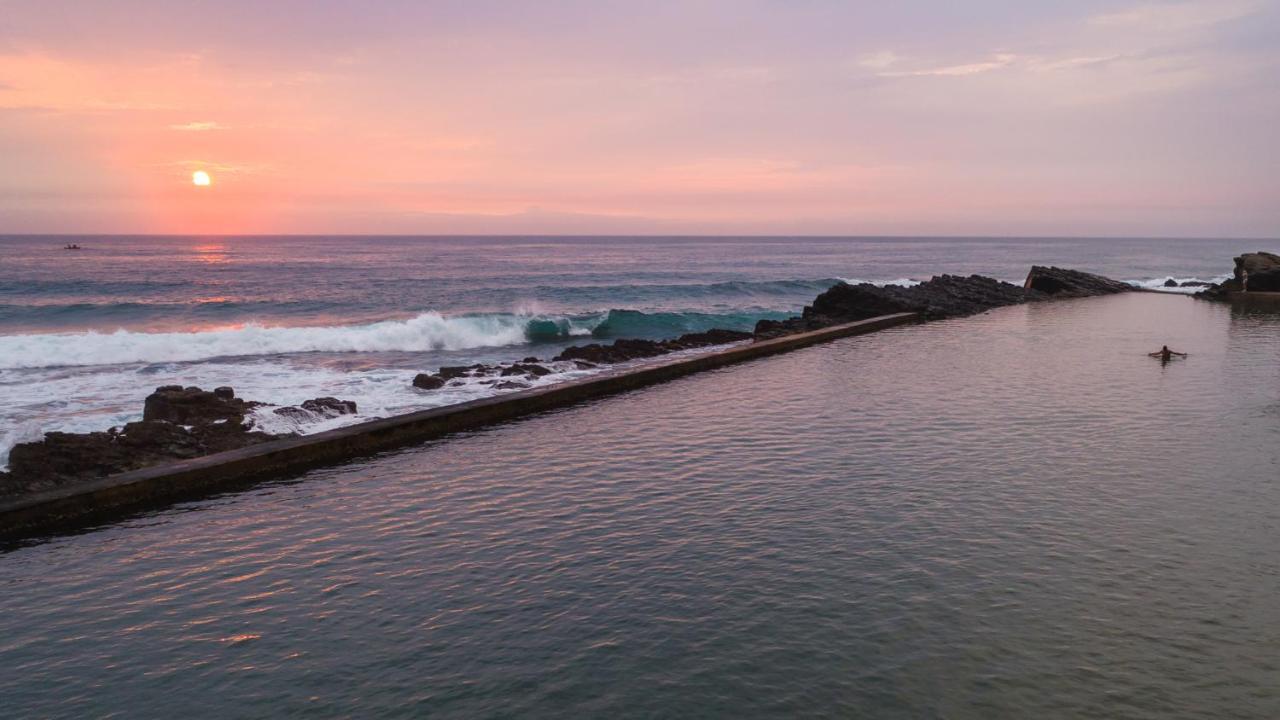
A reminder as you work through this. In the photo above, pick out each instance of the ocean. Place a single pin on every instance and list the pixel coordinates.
(86, 334)
(1012, 515)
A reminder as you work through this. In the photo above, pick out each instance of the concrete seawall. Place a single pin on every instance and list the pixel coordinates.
(110, 496)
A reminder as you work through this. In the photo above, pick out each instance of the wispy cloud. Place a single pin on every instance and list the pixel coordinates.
(203, 126)
(1048, 65)
(1178, 16)
(878, 60)
(997, 62)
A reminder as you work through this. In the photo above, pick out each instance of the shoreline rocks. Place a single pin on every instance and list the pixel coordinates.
(178, 423)
(186, 422)
(624, 350)
(943, 296)
(1263, 270)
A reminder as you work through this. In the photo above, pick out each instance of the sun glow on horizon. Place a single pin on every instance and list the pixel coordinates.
(200, 178)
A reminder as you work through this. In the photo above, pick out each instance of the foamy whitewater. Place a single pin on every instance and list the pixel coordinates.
(86, 335)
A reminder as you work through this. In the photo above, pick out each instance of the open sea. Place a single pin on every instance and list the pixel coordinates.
(86, 334)
(1012, 515)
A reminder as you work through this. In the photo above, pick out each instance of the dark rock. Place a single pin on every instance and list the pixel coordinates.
(530, 359)
(624, 350)
(428, 382)
(193, 406)
(584, 365)
(525, 369)
(330, 406)
(511, 385)
(324, 407)
(1171, 283)
(67, 458)
(1263, 269)
(225, 392)
(1196, 283)
(1059, 282)
(940, 297)
(457, 371)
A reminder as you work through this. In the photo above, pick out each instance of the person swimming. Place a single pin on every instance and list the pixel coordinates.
(1165, 354)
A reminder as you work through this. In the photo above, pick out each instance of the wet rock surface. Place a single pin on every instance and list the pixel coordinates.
(178, 423)
(1262, 270)
(193, 406)
(1063, 283)
(624, 350)
(322, 408)
(941, 297)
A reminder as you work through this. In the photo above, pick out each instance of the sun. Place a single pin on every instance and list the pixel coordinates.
(200, 178)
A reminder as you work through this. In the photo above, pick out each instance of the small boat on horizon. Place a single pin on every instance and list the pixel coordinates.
(71, 246)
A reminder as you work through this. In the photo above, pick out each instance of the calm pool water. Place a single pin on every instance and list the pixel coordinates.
(1007, 516)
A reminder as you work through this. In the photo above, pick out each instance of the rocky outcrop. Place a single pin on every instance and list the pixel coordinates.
(941, 297)
(178, 424)
(528, 368)
(1262, 269)
(1061, 283)
(428, 381)
(322, 408)
(193, 406)
(517, 376)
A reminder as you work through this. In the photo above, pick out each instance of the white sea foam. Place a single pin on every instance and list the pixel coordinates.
(425, 332)
(70, 400)
(904, 282)
(1158, 283)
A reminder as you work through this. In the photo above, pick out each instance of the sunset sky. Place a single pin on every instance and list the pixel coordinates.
(698, 116)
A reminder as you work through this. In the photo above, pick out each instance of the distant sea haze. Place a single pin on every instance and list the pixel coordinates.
(86, 334)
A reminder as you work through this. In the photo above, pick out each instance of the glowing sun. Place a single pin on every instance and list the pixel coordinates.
(200, 178)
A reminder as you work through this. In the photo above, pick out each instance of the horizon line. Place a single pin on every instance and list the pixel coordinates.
(1017, 236)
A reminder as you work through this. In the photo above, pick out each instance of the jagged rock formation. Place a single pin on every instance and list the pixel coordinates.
(1059, 282)
(514, 376)
(1263, 269)
(941, 297)
(322, 408)
(178, 423)
(623, 350)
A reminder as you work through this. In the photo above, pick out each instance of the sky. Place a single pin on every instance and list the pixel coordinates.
(984, 117)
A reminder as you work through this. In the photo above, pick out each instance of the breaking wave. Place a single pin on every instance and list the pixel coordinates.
(429, 331)
(1159, 283)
